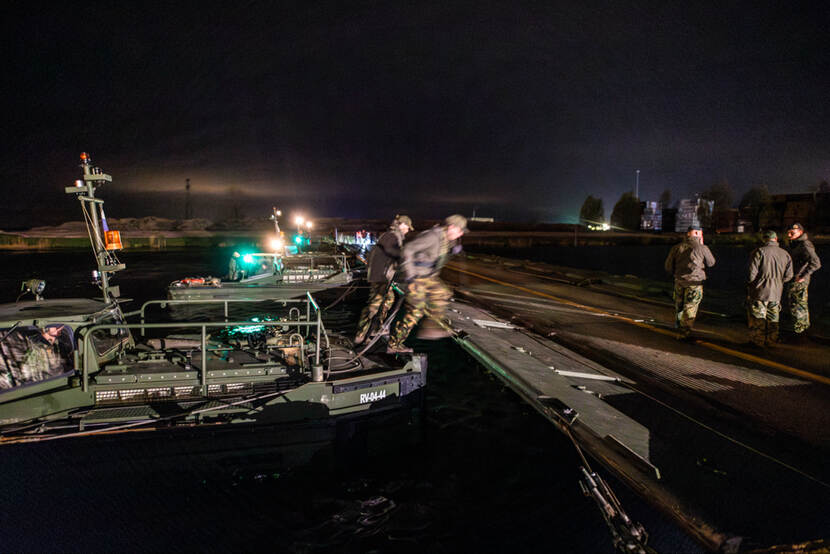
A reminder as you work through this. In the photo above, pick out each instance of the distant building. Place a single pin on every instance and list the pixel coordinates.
(651, 218)
(811, 209)
(689, 212)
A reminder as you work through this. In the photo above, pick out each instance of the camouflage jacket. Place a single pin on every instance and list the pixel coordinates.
(384, 257)
(805, 259)
(770, 266)
(26, 357)
(686, 262)
(426, 254)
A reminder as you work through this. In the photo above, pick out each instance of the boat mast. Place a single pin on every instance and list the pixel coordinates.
(274, 216)
(84, 189)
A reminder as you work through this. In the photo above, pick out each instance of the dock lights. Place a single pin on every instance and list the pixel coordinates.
(277, 244)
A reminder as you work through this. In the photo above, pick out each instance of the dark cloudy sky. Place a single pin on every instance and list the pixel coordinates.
(363, 109)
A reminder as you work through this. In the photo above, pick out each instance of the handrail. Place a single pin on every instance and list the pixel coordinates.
(225, 301)
(87, 349)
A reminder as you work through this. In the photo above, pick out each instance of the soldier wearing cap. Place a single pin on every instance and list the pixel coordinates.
(383, 263)
(805, 263)
(687, 262)
(770, 266)
(421, 264)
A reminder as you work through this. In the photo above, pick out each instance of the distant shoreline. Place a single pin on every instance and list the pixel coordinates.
(58, 239)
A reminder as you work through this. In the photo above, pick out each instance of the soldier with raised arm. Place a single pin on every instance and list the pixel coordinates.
(687, 262)
(805, 263)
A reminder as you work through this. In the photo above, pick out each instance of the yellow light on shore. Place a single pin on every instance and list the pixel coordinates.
(309, 225)
(299, 220)
(277, 244)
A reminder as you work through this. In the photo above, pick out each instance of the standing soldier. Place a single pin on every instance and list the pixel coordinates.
(686, 261)
(383, 263)
(233, 267)
(770, 266)
(421, 264)
(805, 263)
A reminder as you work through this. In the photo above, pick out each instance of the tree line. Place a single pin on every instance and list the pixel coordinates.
(627, 210)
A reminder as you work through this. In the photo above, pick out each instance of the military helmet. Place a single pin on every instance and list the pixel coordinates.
(458, 220)
(403, 220)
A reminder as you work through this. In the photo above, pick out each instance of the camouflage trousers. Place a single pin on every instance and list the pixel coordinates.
(381, 298)
(799, 311)
(428, 294)
(686, 302)
(763, 321)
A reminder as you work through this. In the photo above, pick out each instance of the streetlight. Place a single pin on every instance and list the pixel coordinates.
(637, 186)
(309, 225)
(299, 221)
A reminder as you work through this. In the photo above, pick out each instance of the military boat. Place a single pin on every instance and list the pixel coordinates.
(286, 272)
(82, 367)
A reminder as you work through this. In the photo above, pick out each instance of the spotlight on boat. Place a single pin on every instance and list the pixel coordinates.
(277, 244)
(248, 259)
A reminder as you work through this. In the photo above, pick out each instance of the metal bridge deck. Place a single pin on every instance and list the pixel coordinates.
(718, 437)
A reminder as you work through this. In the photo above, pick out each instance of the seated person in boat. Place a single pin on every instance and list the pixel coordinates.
(30, 354)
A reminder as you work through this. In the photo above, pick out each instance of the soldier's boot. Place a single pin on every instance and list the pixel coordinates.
(772, 333)
(757, 330)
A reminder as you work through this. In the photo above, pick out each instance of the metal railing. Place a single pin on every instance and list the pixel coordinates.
(193, 302)
(88, 350)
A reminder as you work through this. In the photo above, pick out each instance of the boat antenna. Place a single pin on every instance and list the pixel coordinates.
(275, 215)
(93, 210)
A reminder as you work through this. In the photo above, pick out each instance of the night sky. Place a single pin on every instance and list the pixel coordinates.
(365, 109)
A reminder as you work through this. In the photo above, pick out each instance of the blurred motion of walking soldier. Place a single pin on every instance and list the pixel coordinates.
(383, 263)
(770, 266)
(805, 263)
(421, 264)
(686, 262)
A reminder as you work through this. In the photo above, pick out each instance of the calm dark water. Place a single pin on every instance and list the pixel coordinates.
(474, 470)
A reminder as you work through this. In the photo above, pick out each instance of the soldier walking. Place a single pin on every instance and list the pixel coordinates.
(805, 263)
(687, 262)
(770, 266)
(421, 264)
(383, 263)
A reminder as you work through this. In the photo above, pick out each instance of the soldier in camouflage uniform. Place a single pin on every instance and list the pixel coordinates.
(805, 263)
(383, 263)
(421, 264)
(29, 354)
(770, 266)
(686, 262)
